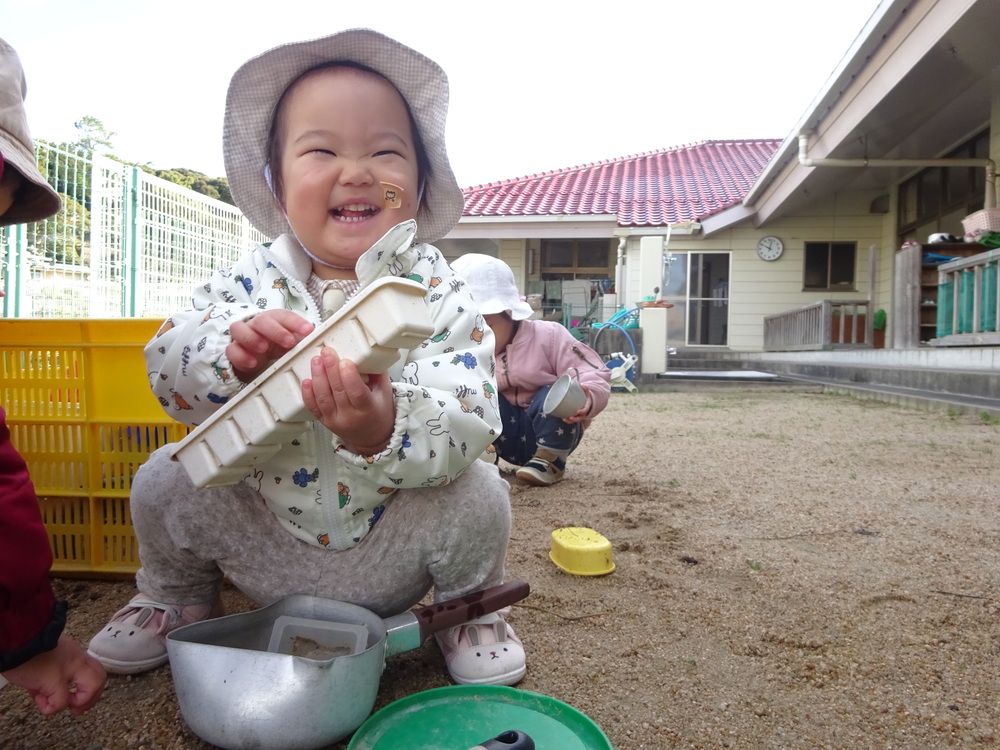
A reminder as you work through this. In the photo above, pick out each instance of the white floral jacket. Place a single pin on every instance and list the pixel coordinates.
(445, 389)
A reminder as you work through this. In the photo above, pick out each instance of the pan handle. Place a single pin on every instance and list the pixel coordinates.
(452, 612)
(411, 628)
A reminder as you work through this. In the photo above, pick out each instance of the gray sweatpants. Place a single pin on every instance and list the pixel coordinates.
(453, 537)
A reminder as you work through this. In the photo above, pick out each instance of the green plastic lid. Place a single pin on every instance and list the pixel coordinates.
(459, 717)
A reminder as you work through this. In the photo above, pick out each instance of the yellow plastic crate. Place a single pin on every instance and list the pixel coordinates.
(81, 413)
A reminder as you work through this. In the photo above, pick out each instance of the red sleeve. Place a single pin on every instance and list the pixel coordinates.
(26, 597)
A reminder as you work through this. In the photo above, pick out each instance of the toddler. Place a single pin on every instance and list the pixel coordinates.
(334, 146)
(532, 355)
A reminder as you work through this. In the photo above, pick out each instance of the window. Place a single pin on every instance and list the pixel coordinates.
(576, 259)
(830, 266)
(573, 275)
(938, 198)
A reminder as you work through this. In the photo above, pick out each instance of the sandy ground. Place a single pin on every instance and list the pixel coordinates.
(794, 570)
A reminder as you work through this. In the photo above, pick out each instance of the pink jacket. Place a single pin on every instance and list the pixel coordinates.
(542, 351)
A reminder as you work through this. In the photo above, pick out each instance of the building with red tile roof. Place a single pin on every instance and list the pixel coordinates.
(893, 150)
(673, 185)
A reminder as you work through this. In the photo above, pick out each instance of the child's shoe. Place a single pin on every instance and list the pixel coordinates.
(135, 639)
(483, 651)
(542, 470)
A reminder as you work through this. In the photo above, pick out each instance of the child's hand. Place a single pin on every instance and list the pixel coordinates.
(360, 409)
(266, 337)
(583, 415)
(67, 677)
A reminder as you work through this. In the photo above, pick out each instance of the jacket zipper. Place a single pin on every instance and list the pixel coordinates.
(580, 354)
(506, 373)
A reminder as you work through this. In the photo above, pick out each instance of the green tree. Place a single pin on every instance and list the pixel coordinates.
(93, 134)
(66, 171)
(66, 240)
(213, 187)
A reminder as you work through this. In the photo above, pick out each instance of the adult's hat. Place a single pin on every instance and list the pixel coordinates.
(35, 199)
(259, 83)
(492, 284)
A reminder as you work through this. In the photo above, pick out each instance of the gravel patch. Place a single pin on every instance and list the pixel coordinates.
(794, 569)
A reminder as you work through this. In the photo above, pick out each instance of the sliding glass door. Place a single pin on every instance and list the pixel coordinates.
(698, 286)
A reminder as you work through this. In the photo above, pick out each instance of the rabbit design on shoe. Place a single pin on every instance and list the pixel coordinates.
(484, 651)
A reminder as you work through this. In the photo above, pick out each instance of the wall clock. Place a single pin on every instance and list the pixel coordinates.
(770, 248)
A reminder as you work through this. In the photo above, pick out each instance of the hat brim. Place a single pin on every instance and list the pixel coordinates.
(259, 83)
(36, 198)
(492, 284)
(518, 310)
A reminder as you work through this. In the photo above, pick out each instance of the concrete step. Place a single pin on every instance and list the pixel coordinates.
(684, 385)
(955, 403)
(963, 382)
(719, 374)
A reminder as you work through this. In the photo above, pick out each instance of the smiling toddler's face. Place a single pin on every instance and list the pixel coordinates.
(345, 133)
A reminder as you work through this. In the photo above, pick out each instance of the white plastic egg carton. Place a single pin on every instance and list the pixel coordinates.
(369, 330)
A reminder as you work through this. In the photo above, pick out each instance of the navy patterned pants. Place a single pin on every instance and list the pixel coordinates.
(527, 430)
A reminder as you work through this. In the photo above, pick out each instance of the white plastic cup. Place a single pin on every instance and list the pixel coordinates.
(566, 397)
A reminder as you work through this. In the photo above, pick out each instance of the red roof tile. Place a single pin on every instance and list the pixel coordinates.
(685, 183)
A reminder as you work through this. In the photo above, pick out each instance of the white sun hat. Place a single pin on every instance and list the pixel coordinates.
(492, 285)
(36, 199)
(259, 83)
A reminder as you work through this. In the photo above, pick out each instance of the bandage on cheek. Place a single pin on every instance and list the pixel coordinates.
(392, 195)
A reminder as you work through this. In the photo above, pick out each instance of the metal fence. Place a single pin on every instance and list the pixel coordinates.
(125, 244)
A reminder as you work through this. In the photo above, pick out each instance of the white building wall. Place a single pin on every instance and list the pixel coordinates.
(758, 288)
(512, 252)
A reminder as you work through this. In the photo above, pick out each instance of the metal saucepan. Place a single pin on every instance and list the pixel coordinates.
(237, 695)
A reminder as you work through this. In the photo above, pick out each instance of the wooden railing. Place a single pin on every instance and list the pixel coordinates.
(823, 325)
(968, 313)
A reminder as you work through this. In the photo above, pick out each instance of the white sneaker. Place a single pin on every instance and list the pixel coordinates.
(483, 651)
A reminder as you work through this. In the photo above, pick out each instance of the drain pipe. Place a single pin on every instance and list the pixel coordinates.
(665, 255)
(988, 164)
(618, 268)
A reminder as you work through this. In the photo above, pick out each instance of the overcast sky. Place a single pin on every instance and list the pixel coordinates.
(535, 85)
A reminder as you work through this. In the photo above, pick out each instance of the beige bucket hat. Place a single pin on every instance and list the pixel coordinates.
(36, 199)
(492, 284)
(259, 83)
